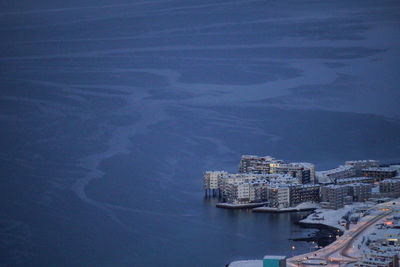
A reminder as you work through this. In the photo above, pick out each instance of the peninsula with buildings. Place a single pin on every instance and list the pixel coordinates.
(272, 185)
(360, 200)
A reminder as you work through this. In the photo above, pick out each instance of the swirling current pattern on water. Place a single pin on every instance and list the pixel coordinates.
(110, 112)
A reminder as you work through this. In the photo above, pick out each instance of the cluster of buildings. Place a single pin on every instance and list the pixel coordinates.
(383, 247)
(282, 185)
(265, 179)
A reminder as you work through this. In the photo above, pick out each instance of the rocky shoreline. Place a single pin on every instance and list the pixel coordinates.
(324, 236)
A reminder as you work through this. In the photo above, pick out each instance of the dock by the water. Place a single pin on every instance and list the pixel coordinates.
(240, 206)
(278, 210)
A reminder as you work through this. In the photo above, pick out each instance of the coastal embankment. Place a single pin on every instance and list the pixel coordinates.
(278, 210)
(240, 206)
(325, 235)
(306, 206)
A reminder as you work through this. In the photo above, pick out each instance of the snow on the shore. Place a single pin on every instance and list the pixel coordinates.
(359, 242)
(248, 263)
(245, 205)
(308, 205)
(331, 217)
(302, 206)
(375, 232)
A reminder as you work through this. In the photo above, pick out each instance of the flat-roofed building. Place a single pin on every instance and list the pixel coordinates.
(304, 171)
(390, 188)
(304, 193)
(379, 173)
(278, 196)
(246, 192)
(307, 166)
(256, 164)
(360, 192)
(353, 180)
(333, 196)
(212, 178)
(362, 164)
(230, 178)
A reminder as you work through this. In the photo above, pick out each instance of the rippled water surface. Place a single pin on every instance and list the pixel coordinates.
(110, 112)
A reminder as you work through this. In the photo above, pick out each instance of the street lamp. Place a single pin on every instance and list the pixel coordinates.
(293, 248)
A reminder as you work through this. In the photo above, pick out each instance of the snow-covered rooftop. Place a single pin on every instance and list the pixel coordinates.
(335, 170)
(390, 181)
(362, 161)
(381, 169)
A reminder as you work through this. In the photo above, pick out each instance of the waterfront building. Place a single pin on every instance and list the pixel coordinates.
(362, 164)
(333, 196)
(278, 196)
(280, 190)
(379, 173)
(246, 192)
(255, 164)
(390, 188)
(304, 193)
(212, 179)
(289, 184)
(228, 178)
(343, 171)
(305, 172)
(238, 193)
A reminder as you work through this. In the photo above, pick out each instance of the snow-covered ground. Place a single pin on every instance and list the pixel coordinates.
(375, 232)
(372, 232)
(359, 243)
(300, 207)
(331, 217)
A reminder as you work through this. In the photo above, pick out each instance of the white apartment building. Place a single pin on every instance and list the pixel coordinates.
(229, 178)
(246, 192)
(278, 195)
(212, 178)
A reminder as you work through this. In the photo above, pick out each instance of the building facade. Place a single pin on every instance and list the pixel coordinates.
(212, 179)
(379, 173)
(278, 196)
(333, 196)
(304, 193)
(255, 164)
(390, 188)
(362, 164)
(360, 192)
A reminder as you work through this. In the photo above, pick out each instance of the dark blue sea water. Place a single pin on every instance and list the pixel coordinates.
(110, 112)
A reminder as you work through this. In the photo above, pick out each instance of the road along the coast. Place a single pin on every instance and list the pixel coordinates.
(336, 253)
